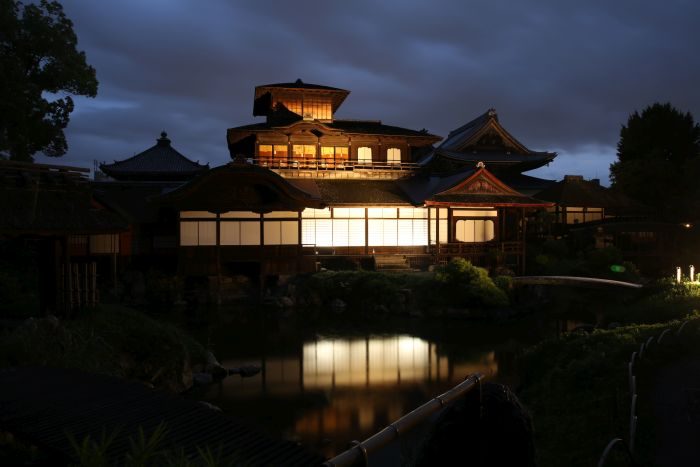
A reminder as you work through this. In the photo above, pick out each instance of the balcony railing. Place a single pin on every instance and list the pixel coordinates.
(344, 165)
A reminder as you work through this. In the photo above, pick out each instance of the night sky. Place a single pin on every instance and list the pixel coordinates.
(563, 76)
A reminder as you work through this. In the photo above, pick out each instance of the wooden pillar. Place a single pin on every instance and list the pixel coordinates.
(218, 259)
(300, 246)
(366, 232)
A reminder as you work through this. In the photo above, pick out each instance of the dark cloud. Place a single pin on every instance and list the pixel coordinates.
(563, 76)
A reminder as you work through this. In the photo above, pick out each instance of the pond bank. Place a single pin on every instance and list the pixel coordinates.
(110, 340)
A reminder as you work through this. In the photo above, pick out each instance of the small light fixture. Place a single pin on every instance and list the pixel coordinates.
(678, 274)
(692, 273)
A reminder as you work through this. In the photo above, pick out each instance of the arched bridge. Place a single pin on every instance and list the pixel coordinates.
(574, 281)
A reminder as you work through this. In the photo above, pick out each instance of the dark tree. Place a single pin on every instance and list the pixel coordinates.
(39, 67)
(659, 161)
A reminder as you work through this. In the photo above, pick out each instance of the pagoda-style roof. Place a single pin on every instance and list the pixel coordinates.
(161, 162)
(240, 185)
(51, 200)
(574, 191)
(337, 127)
(264, 95)
(485, 139)
(480, 188)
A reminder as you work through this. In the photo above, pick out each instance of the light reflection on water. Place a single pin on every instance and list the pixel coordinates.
(360, 384)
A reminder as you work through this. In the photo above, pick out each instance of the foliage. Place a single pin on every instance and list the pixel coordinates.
(110, 340)
(459, 284)
(90, 452)
(144, 451)
(39, 61)
(553, 257)
(660, 301)
(580, 381)
(659, 160)
(463, 283)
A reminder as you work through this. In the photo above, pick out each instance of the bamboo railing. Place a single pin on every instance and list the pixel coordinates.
(361, 450)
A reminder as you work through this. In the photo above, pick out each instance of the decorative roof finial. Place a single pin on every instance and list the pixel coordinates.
(298, 81)
(163, 140)
(492, 112)
(480, 165)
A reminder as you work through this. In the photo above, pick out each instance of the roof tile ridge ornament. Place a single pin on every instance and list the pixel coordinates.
(480, 165)
(492, 113)
(163, 140)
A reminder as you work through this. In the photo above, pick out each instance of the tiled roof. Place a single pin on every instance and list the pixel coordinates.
(487, 199)
(375, 127)
(299, 84)
(466, 131)
(368, 192)
(575, 191)
(369, 127)
(159, 162)
(498, 157)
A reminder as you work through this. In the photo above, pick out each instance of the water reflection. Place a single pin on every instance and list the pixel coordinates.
(338, 389)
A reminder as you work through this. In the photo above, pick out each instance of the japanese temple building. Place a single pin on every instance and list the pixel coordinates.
(305, 186)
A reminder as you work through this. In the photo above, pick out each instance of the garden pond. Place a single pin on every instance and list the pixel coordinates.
(328, 381)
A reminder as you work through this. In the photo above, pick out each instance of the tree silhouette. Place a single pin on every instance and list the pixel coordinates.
(659, 161)
(39, 67)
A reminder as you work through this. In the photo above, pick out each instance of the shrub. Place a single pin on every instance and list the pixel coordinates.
(463, 284)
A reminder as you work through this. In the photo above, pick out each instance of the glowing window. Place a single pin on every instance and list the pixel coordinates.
(239, 233)
(393, 156)
(334, 153)
(474, 231)
(413, 213)
(364, 155)
(316, 213)
(277, 152)
(281, 233)
(474, 213)
(303, 152)
(193, 233)
(340, 213)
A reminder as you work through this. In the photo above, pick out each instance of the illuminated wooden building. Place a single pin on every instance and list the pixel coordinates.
(305, 187)
(301, 133)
